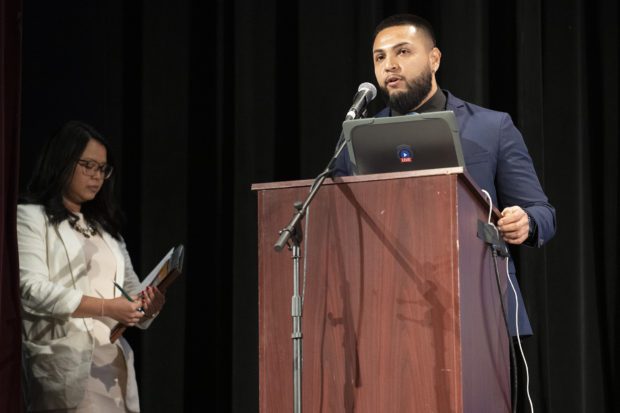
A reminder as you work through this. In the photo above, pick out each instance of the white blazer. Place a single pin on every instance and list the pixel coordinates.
(57, 348)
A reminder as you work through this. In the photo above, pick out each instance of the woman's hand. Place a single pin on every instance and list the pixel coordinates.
(153, 301)
(124, 311)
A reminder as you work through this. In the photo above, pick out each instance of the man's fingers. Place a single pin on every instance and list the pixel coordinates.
(513, 224)
(516, 241)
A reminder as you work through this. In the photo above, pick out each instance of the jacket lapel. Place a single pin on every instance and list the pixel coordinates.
(75, 256)
(454, 104)
(118, 256)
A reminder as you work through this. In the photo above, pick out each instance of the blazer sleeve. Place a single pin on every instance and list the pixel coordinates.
(518, 184)
(39, 294)
(132, 282)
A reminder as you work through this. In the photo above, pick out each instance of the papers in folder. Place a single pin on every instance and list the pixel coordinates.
(164, 274)
(166, 271)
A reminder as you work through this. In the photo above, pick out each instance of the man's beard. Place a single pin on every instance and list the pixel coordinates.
(417, 91)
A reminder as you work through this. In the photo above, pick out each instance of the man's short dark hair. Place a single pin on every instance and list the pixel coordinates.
(407, 20)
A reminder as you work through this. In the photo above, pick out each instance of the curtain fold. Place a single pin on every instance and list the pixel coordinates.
(10, 321)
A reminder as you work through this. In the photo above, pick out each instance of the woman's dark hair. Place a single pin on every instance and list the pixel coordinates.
(54, 170)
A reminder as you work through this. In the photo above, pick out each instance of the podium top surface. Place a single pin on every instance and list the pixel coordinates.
(362, 178)
(463, 175)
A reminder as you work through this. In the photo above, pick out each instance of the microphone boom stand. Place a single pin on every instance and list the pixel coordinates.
(292, 236)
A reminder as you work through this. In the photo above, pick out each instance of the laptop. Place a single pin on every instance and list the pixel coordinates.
(404, 143)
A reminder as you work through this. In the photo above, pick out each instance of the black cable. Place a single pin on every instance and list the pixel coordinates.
(513, 356)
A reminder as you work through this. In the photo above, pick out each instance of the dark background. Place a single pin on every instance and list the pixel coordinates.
(201, 99)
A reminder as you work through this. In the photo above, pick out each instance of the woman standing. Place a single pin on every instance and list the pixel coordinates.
(71, 253)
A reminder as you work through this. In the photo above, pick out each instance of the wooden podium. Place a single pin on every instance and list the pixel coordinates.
(401, 307)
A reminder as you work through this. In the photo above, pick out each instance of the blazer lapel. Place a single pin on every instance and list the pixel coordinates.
(454, 104)
(75, 256)
(118, 256)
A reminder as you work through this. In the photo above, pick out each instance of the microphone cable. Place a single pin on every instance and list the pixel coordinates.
(513, 357)
(305, 270)
(527, 370)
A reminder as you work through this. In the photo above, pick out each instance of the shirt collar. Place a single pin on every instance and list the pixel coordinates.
(436, 103)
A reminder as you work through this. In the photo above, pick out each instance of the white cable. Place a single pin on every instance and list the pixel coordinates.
(490, 206)
(527, 370)
(490, 212)
(514, 290)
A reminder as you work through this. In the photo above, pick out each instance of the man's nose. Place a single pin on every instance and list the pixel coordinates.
(389, 64)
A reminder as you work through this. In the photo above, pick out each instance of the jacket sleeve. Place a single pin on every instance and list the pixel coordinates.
(132, 282)
(518, 184)
(39, 294)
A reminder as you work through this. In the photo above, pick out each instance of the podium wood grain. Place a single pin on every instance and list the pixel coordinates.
(401, 309)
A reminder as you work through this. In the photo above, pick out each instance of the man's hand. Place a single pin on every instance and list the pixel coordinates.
(514, 225)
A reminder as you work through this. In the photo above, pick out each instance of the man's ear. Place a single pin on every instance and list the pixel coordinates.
(435, 59)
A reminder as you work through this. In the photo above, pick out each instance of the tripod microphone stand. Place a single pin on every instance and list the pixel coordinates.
(292, 236)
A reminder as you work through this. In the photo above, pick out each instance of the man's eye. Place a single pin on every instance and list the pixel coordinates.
(403, 51)
(379, 58)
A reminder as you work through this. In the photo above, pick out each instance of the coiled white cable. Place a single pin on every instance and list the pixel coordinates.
(514, 291)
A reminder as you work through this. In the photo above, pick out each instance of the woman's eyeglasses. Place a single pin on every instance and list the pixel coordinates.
(92, 168)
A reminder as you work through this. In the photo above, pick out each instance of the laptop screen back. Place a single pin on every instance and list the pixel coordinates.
(403, 143)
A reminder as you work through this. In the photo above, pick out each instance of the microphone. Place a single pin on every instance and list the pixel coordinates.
(365, 93)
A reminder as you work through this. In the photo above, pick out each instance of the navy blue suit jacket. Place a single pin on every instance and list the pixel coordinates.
(498, 161)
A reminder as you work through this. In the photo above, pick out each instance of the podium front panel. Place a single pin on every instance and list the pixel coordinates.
(381, 317)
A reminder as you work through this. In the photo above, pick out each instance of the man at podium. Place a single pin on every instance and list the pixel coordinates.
(406, 59)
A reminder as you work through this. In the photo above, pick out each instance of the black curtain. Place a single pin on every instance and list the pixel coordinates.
(201, 99)
(10, 94)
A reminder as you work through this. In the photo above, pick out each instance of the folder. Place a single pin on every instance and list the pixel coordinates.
(162, 276)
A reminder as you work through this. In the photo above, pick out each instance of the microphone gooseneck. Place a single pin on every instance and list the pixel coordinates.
(366, 92)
